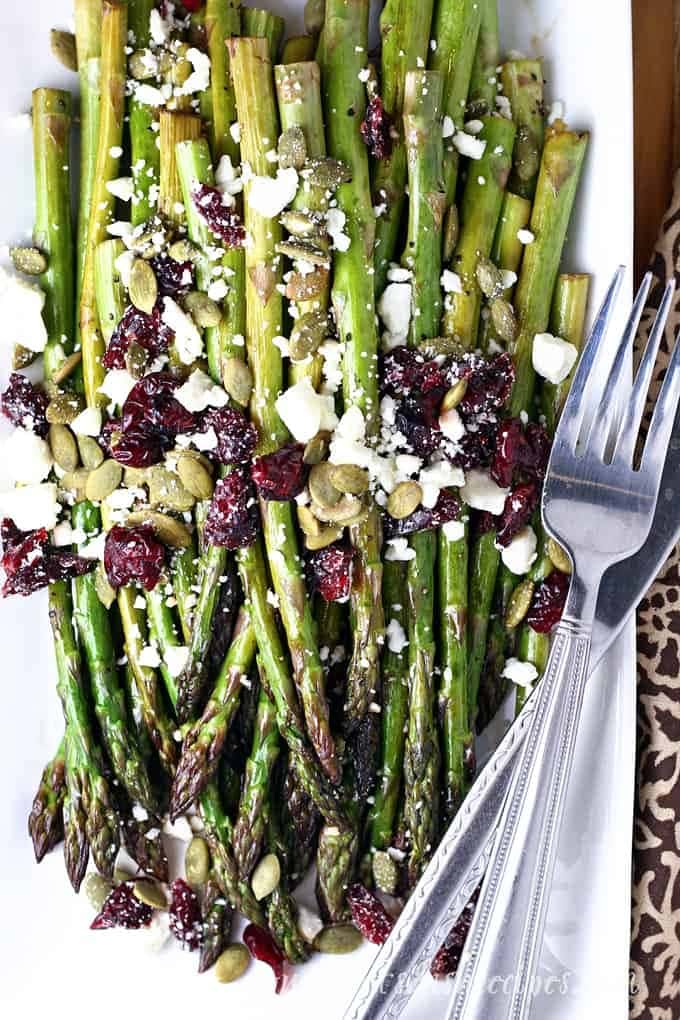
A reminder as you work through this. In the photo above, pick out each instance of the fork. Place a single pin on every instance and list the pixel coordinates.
(599, 507)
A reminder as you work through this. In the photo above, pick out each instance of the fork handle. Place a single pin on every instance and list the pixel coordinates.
(503, 949)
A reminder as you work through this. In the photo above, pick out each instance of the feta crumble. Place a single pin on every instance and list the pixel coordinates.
(552, 357)
(481, 492)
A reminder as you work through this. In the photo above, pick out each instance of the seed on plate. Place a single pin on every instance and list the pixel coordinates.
(103, 480)
(307, 335)
(183, 251)
(63, 408)
(28, 260)
(306, 286)
(446, 346)
(292, 148)
(489, 278)
(166, 490)
(266, 876)
(169, 530)
(559, 556)
(64, 448)
(404, 499)
(106, 593)
(140, 67)
(301, 224)
(90, 451)
(321, 487)
(203, 310)
(350, 478)
(504, 320)
(67, 367)
(328, 174)
(316, 449)
(519, 604)
(22, 357)
(197, 861)
(75, 482)
(338, 939)
(135, 477)
(97, 888)
(121, 874)
(232, 963)
(453, 397)
(136, 360)
(150, 893)
(143, 286)
(237, 379)
(63, 46)
(195, 478)
(309, 523)
(306, 251)
(385, 872)
(347, 510)
(451, 231)
(326, 537)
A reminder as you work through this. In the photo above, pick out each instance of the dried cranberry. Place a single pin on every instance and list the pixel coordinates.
(475, 447)
(536, 452)
(405, 370)
(221, 218)
(148, 331)
(509, 440)
(62, 565)
(548, 603)
(517, 512)
(25, 405)
(172, 277)
(368, 914)
(151, 401)
(488, 384)
(485, 523)
(445, 963)
(139, 446)
(280, 475)
(236, 435)
(330, 571)
(186, 923)
(133, 554)
(376, 129)
(446, 509)
(262, 947)
(417, 420)
(122, 909)
(232, 520)
(192, 5)
(30, 563)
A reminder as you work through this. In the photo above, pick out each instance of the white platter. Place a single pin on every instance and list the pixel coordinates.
(51, 962)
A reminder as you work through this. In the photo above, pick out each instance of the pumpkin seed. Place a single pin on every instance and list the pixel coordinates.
(321, 487)
(347, 509)
(451, 231)
(316, 449)
(338, 939)
(266, 876)
(97, 889)
(292, 149)
(203, 310)
(169, 530)
(307, 335)
(28, 260)
(150, 893)
(63, 46)
(63, 408)
(22, 357)
(306, 286)
(350, 478)
(404, 499)
(136, 359)
(325, 538)
(63, 446)
(519, 603)
(143, 286)
(121, 875)
(298, 49)
(67, 367)
(559, 557)
(105, 591)
(315, 14)
(103, 480)
(136, 477)
(183, 251)
(385, 872)
(309, 523)
(301, 224)
(503, 320)
(166, 489)
(142, 66)
(453, 397)
(447, 346)
(76, 482)
(305, 251)
(237, 379)
(232, 963)
(489, 279)
(90, 451)
(195, 478)
(328, 174)
(195, 455)
(197, 861)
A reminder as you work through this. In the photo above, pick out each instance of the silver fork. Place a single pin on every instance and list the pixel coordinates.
(600, 508)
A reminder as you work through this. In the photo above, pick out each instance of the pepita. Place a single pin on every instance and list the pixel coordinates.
(325, 538)
(385, 872)
(301, 224)
(28, 260)
(143, 286)
(451, 231)
(316, 449)
(307, 286)
(321, 487)
(292, 148)
(121, 875)
(404, 499)
(309, 524)
(203, 310)
(183, 251)
(136, 477)
(97, 889)
(559, 556)
(232, 963)
(195, 478)
(503, 320)
(197, 861)
(67, 367)
(237, 379)
(350, 478)
(103, 480)
(63, 408)
(63, 46)
(266, 876)
(307, 335)
(328, 174)
(22, 357)
(75, 482)
(304, 250)
(519, 604)
(347, 509)
(136, 360)
(150, 893)
(142, 65)
(171, 532)
(90, 451)
(447, 346)
(166, 490)
(453, 397)
(64, 448)
(338, 939)
(105, 591)
(489, 279)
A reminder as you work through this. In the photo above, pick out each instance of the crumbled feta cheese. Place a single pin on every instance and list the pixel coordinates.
(117, 385)
(396, 637)
(140, 602)
(451, 282)
(508, 278)
(397, 274)
(188, 341)
(159, 28)
(199, 79)
(436, 477)
(149, 95)
(398, 549)
(407, 464)
(228, 178)
(448, 127)
(503, 106)
(200, 392)
(122, 229)
(481, 492)
(116, 151)
(331, 352)
(520, 673)
(451, 425)
(64, 534)
(469, 145)
(394, 308)
(309, 924)
(149, 656)
(88, 422)
(364, 74)
(526, 237)
(269, 196)
(474, 127)
(453, 531)
(235, 132)
(205, 440)
(122, 188)
(31, 506)
(218, 290)
(94, 548)
(21, 305)
(556, 112)
(123, 265)
(521, 553)
(176, 658)
(26, 458)
(552, 357)
(305, 412)
(335, 221)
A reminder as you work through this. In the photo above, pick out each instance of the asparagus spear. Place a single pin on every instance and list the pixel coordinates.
(175, 126)
(145, 156)
(282, 911)
(46, 820)
(218, 832)
(507, 250)
(405, 33)
(222, 20)
(484, 79)
(262, 24)
(217, 923)
(523, 87)
(88, 26)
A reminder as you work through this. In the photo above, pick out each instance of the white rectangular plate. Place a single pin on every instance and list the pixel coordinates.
(50, 958)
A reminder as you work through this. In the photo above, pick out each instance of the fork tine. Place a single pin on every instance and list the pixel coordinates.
(609, 405)
(663, 420)
(630, 427)
(572, 416)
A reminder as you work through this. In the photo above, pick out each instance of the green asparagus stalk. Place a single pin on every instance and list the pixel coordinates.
(262, 24)
(183, 569)
(298, 49)
(336, 860)
(217, 923)
(164, 630)
(109, 290)
(145, 156)
(523, 87)
(282, 910)
(46, 820)
(88, 26)
(222, 20)
(507, 252)
(484, 79)
(175, 126)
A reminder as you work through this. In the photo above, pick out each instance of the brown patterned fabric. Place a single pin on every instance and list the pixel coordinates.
(655, 950)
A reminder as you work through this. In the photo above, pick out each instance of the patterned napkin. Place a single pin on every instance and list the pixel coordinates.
(655, 949)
